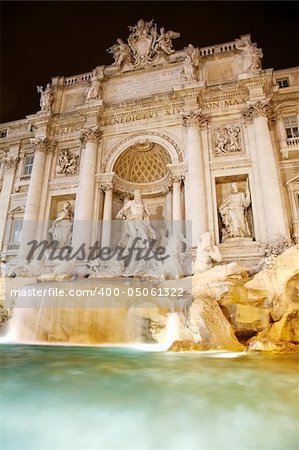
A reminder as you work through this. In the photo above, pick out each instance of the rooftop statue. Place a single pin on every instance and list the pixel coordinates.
(145, 45)
(93, 90)
(46, 97)
(252, 55)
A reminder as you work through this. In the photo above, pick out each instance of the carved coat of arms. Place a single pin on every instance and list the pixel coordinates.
(145, 45)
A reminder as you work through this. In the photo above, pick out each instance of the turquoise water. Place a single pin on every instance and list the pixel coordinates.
(88, 398)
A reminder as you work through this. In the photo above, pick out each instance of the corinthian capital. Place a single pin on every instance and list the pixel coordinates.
(106, 186)
(43, 145)
(11, 161)
(90, 135)
(195, 118)
(259, 108)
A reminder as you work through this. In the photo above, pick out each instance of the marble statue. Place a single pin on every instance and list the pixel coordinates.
(227, 139)
(46, 98)
(233, 213)
(121, 53)
(61, 228)
(251, 55)
(206, 253)
(93, 90)
(174, 264)
(189, 71)
(67, 163)
(136, 216)
(136, 235)
(163, 42)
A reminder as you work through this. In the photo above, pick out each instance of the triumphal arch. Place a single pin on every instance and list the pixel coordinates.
(207, 135)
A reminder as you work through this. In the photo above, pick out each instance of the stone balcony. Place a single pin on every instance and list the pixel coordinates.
(290, 145)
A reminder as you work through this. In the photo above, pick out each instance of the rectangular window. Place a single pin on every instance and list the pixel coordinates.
(283, 82)
(291, 126)
(16, 230)
(3, 134)
(28, 164)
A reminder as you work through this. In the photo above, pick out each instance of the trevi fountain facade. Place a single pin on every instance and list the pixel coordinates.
(195, 150)
(152, 205)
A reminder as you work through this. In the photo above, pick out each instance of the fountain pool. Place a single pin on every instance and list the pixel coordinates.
(94, 398)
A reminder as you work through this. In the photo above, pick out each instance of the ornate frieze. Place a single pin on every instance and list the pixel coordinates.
(90, 135)
(141, 114)
(227, 139)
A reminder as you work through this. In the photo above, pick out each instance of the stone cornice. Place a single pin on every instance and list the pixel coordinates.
(228, 165)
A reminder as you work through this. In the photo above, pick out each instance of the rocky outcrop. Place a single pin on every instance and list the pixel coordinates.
(5, 312)
(210, 326)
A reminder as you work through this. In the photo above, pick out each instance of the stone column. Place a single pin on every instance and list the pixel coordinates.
(8, 166)
(196, 174)
(84, 205)
(30, 223)
(269, 171)
(176, 204)
(107, 214)
(259, 220)
(168, 215)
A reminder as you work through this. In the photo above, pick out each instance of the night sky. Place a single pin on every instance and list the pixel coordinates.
(43, 39)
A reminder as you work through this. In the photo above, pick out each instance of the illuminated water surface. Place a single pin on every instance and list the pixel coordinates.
(88, 398)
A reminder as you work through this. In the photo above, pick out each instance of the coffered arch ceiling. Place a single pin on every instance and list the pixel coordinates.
(143, 163)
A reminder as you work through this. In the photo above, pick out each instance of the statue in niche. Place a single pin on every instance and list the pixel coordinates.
(136, 216)
(206, 253)
(61, 228)
(93, 90)
(252, 55)
(46, 97)
(121, 53)
(67, 163)
(233, 213)
(228, 139)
